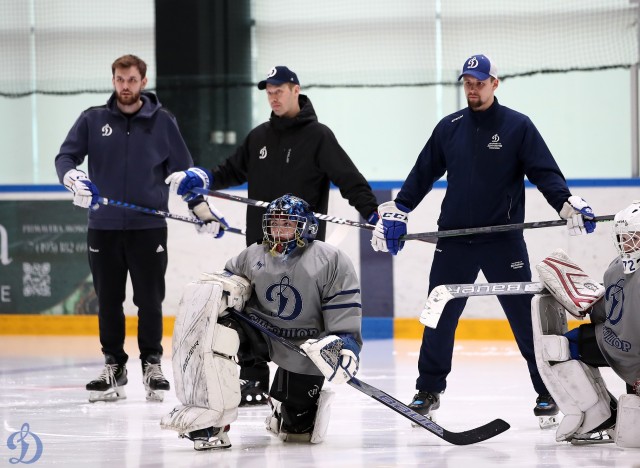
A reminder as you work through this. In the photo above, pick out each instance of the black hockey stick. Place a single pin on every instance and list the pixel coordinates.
(164, 214)
(500, 228)
(495, 427)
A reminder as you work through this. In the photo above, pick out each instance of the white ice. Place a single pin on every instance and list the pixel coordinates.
(42, 384)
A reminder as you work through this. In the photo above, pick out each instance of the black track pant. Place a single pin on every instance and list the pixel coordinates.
(143, 255)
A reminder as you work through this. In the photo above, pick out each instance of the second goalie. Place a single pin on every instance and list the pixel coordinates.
(304, 290)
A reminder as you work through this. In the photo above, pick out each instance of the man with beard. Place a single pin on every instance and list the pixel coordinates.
(486, 150)
(132, 144)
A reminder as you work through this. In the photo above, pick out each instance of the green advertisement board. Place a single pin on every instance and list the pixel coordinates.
(43, 258)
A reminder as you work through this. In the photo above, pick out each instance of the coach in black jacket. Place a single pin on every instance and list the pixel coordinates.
(291, 153)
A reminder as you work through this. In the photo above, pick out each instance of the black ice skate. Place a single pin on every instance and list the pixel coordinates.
(425, 403)
(154, 382)
(109, 386)
(251, 393)
(211, 438)
(547, 411)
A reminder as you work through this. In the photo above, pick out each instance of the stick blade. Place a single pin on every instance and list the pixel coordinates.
(434, 306)
(479, 434)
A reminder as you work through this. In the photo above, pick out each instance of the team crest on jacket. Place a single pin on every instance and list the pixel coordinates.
(263, 152)
(287, 298)
(495, 142)
(106, 130)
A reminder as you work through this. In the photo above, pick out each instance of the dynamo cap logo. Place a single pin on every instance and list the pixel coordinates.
(272, 72)
(472, 63)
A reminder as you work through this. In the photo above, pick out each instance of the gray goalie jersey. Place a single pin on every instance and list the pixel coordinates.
(312, 293)
(618, 322)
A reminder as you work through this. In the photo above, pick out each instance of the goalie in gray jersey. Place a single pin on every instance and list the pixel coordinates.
(304, 290)
(612, 339)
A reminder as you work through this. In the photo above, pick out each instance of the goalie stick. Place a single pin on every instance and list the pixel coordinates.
(164, 214)
(472, 436)
(441, 295)
(490, 229)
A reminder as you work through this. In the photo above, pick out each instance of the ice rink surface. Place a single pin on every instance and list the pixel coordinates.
(42, 383)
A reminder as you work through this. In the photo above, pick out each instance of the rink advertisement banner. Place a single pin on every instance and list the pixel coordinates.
(43, 258)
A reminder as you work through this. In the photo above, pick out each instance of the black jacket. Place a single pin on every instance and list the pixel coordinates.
(300, 156)
(486, 156)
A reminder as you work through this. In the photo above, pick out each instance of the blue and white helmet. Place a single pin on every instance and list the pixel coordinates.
(287, 224)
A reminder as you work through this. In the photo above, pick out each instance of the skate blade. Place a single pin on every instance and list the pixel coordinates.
(431, 416)
(547, 422)
(155, 395)
(216, 443)
(591, 439)
(113, 394)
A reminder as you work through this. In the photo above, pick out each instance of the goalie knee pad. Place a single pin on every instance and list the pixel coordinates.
(237, 290)
(578, 389)
(291, 424)
(626, 433)
(205, 373)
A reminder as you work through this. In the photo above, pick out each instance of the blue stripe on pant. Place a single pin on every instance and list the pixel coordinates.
(456, 262)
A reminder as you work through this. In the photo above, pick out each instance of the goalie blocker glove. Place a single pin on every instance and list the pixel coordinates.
(214, 223)
(85, 193)
(579, 216)
(335, 357)
(183, 182)
(390, 228)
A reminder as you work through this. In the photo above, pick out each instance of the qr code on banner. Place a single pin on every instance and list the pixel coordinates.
(36, 279)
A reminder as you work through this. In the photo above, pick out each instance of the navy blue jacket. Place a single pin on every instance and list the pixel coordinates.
(486, 156)
(129, 159)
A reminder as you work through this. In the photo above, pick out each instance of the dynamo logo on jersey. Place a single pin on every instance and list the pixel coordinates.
(615, 296)
(288, 299)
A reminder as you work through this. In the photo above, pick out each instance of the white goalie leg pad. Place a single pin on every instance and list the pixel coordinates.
(568, 283)
(322, 416)
(237, 289)
(578, 389)
(205, 373)
(626, 433)
(185, 419)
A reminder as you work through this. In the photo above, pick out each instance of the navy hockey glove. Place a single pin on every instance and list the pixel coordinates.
(579, 216)
(183, 182)
(390, 228)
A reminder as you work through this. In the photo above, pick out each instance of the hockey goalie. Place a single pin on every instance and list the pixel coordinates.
(568, 360)
(301, 289)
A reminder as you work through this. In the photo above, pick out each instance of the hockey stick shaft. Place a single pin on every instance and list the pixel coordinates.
(163, 214)
(500, 228)
(262, 204)
(471, 436)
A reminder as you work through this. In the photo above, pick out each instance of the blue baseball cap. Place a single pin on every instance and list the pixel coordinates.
(480, 67)
(278, 75)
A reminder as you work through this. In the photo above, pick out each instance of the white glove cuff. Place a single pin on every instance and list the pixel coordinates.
(71, 177)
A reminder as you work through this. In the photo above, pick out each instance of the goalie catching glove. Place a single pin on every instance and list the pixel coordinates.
(579, 216)
(213, 221)
(568, 284)
(390, 228)
(183, 182)
(85, 193)
(337, 358)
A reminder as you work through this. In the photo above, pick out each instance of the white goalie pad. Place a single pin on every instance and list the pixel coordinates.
(568, 283)
(237, 290)
(204, 369)
(627, 422)
(578, 389)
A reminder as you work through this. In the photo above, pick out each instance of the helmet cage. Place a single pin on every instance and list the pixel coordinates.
(288, 224)
(626, 237)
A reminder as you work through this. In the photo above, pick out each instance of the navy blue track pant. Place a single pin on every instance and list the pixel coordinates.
(141, 253)
(457, 262)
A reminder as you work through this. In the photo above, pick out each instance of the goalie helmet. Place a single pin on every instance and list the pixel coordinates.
(626, 236)
(287, 224)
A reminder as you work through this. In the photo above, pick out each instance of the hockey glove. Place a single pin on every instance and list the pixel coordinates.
(214, 223)
(85, 193)
(332, 357)
(183, 182)
(390, 228)
(579, 216)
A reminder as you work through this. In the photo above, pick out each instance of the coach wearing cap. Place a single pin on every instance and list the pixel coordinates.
(486, 150)
(291, 153)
